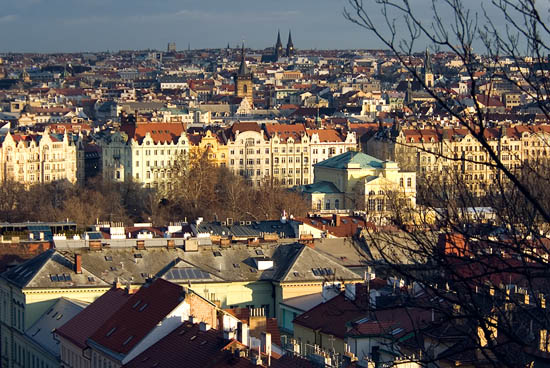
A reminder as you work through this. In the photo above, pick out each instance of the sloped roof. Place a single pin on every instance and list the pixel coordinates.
(93, 317)
(51, 269)
(133, 321)
(319, 187)
(351, 157)
(186, 346)
(285, 131)
(303, 263)
(160, 132)
(41, 331)
(331, 317)
(326, 135)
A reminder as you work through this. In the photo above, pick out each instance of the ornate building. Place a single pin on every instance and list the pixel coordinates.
(431, 152)
(144, 152)
(356, 181)
(243, 81)
(37, 158)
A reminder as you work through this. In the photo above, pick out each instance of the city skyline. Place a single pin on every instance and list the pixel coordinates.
(103, 25)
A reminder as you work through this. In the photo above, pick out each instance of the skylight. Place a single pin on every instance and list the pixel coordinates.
(127, 340)
(111, 331)
(142, 308)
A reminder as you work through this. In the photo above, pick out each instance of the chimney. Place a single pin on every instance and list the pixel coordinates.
(336, 219)
(203, 326)
(266, 346)
(140, 245)
(242, 333)
(78, 263)
(94, 245)
(193, 319)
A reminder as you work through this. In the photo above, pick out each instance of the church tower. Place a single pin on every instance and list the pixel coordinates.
(243, 81)
(428, 70)
(279, 46)
(289, 46)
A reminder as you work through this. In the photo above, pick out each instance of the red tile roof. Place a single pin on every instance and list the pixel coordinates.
(160, 132)
(84, 324)
(348, 225)
(285, 131)
(326, 135)
(135, 320)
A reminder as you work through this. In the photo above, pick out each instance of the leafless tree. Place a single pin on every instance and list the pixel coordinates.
(473, 267)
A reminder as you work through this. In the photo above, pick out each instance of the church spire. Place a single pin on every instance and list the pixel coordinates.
(289, 45)
(278, 45)
(243, 68)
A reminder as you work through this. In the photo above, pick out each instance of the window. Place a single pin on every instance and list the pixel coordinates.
(137, 163)
(371, 205)
(401, 182)
(336, 204)
(327, 204)
(319, 204)
(409, 182)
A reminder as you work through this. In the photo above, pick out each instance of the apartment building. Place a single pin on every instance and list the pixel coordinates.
(208, 143)
(326, 143)
(38, 158)
(432, 151)
(249, 152)
(283, 153)
(144, 152)
(291, 164)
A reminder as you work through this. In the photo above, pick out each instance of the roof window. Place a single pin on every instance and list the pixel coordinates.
(127, 340)
(142, 308)
(110, 331)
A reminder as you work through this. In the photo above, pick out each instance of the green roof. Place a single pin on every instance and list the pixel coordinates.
(319, 187)
(351, 157)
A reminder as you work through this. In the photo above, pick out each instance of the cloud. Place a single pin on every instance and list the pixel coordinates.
(8, 18)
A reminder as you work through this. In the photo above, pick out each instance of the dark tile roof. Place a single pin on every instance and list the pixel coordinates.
(331, 317)
(186, 346)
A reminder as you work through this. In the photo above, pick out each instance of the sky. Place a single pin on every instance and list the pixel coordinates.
(100, 25)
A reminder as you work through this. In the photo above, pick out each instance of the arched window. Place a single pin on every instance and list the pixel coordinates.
(371, 193)
(245, 88)
(336, 204)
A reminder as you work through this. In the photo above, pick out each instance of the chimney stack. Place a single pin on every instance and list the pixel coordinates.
(336, 219)
(242, 333)
(266, 346)
(140, 245)
(78, 263)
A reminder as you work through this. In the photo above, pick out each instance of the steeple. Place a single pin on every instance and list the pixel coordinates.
(428, 70)
(427, 62)
(279, 45)
(243, 68)
(289, 45)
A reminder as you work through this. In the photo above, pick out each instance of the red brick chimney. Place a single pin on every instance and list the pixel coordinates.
(336, 219)
(78, 263)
